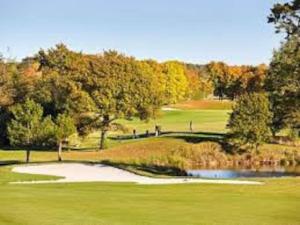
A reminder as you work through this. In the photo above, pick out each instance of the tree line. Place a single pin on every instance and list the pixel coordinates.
(47, 97)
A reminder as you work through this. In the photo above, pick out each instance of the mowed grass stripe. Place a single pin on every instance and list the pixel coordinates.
(127, 204)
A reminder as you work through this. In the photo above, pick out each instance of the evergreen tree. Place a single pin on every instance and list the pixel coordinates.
(284, 75)
(283, 85)
(286, 18)
(250, 120)
(28, 128)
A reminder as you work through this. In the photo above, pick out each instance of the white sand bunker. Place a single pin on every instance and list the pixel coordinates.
(169, 109)
(76, 172)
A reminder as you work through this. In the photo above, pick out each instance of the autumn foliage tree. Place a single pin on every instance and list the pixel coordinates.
(176, 81)
(233, 81)
(95, 90)
(120, 88)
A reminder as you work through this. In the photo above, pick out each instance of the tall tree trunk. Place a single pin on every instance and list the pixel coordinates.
(105, 125)
(59, 151)
(27, 156)
(28, 145)
(273, 133)
(102, 139)
(256, 147)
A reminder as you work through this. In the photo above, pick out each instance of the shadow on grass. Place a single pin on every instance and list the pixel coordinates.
(147, 170)
(9, 162)
(48, 149)
(195, 137)
(32, 149)
(20, 162)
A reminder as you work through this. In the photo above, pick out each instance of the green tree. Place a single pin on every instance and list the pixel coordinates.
(250, 120)
(286, 17)
(64, 129)
(283, 78)
(28, 128)
(283, 85)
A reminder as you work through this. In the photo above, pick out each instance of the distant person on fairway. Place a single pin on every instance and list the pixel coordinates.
(134, 134)
(191, 126)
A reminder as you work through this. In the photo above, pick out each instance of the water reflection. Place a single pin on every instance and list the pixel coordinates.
(246, 173)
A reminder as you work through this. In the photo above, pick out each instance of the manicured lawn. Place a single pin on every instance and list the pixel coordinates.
(275, 203)
(7, 176)
(179, 120)
(206, 120)
(203, 120)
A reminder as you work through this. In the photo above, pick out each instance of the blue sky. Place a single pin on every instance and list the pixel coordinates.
(198, 31)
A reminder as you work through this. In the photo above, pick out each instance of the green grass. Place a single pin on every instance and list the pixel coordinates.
(275, 203)
(7, 176)
(203, 120)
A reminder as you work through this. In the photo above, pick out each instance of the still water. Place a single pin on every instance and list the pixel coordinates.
(245, 173)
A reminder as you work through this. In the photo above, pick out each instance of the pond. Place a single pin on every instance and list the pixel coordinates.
(263, 172)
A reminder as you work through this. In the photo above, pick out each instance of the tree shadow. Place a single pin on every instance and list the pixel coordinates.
(32, 149)
(9, 162)
(196, 138)
(148, 170)
(189, 137)
(20, 162)
(131, 137)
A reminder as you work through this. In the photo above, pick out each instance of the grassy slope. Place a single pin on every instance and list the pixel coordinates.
(123, 152)
(137, 151)
(275, 203)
